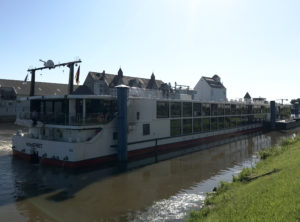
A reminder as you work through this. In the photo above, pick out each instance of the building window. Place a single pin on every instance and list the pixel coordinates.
(146, 129)
(176, 109)
(137, 115)
(175, 127)
(162, 109)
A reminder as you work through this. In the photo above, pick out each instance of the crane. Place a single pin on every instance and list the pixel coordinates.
(282, 100)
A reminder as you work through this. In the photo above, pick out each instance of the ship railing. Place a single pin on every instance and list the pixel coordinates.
(68, 119)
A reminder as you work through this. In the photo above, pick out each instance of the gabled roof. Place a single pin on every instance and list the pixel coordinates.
(83, 90)
(114, 80)
(41, 88)
(213, 83)
(247, 96)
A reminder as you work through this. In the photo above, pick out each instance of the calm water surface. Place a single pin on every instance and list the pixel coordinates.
(163, 191)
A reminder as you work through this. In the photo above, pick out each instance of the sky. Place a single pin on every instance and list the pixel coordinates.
(253, 45)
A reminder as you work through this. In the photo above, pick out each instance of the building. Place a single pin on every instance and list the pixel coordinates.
(247, 98)
(11, 90)
(102, 83)
(210, 89)
(260, 100)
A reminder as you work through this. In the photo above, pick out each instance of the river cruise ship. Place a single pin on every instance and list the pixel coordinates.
(82, 129)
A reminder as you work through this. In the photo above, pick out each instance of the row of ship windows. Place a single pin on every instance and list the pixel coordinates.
(187, 126)
(197, 125)
(189, 109)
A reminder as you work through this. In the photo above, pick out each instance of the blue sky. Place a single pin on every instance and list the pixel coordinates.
(253, 45)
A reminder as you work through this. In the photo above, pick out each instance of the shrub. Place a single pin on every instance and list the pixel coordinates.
(273, 151)
(243, 176)
(287, 142)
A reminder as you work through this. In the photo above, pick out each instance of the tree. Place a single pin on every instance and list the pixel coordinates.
(293, 101)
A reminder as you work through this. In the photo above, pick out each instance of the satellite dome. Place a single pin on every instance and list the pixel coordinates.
(49, 64)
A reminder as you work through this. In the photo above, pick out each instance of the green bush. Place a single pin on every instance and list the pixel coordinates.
(243, 176)
(287, 142)
(273, 151)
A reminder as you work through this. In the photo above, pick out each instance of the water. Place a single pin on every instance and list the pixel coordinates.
(163, 191)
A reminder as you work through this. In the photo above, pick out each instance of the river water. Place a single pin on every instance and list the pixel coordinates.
(162, 191)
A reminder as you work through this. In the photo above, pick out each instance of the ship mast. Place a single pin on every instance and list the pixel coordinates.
(50, 65)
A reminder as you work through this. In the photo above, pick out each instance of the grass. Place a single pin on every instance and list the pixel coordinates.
(268, 192)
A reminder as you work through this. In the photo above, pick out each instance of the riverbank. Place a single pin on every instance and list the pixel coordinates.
(268, 192)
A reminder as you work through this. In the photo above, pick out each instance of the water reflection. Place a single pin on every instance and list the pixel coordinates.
(166, 190)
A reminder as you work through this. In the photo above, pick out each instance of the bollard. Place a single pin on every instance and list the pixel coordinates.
(273, 114)
(296, 109)
(122, 95)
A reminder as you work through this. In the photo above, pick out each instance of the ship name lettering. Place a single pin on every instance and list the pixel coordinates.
(34, 145)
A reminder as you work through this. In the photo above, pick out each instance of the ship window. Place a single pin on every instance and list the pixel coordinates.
(233, 109)
(176, 109)
(175, 127)
(187, 126)
(101, 111)
(115, 135)
(238, 121)
(250, 119)
(162, 109)
(206, 124)
(249, 109)
(197, 125)
(146, 129)
(244, 109)
(244, 120)
(48, 106)
(197, 109)
(221, 123)
(232, 122)
(227, 122)
(220, 109)
(256, 109)
(238, 109)
(58, 106)
(214, 109)
(187, 109)
(205, 109)
(227, 109)
(214, 124)
(137, 115)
